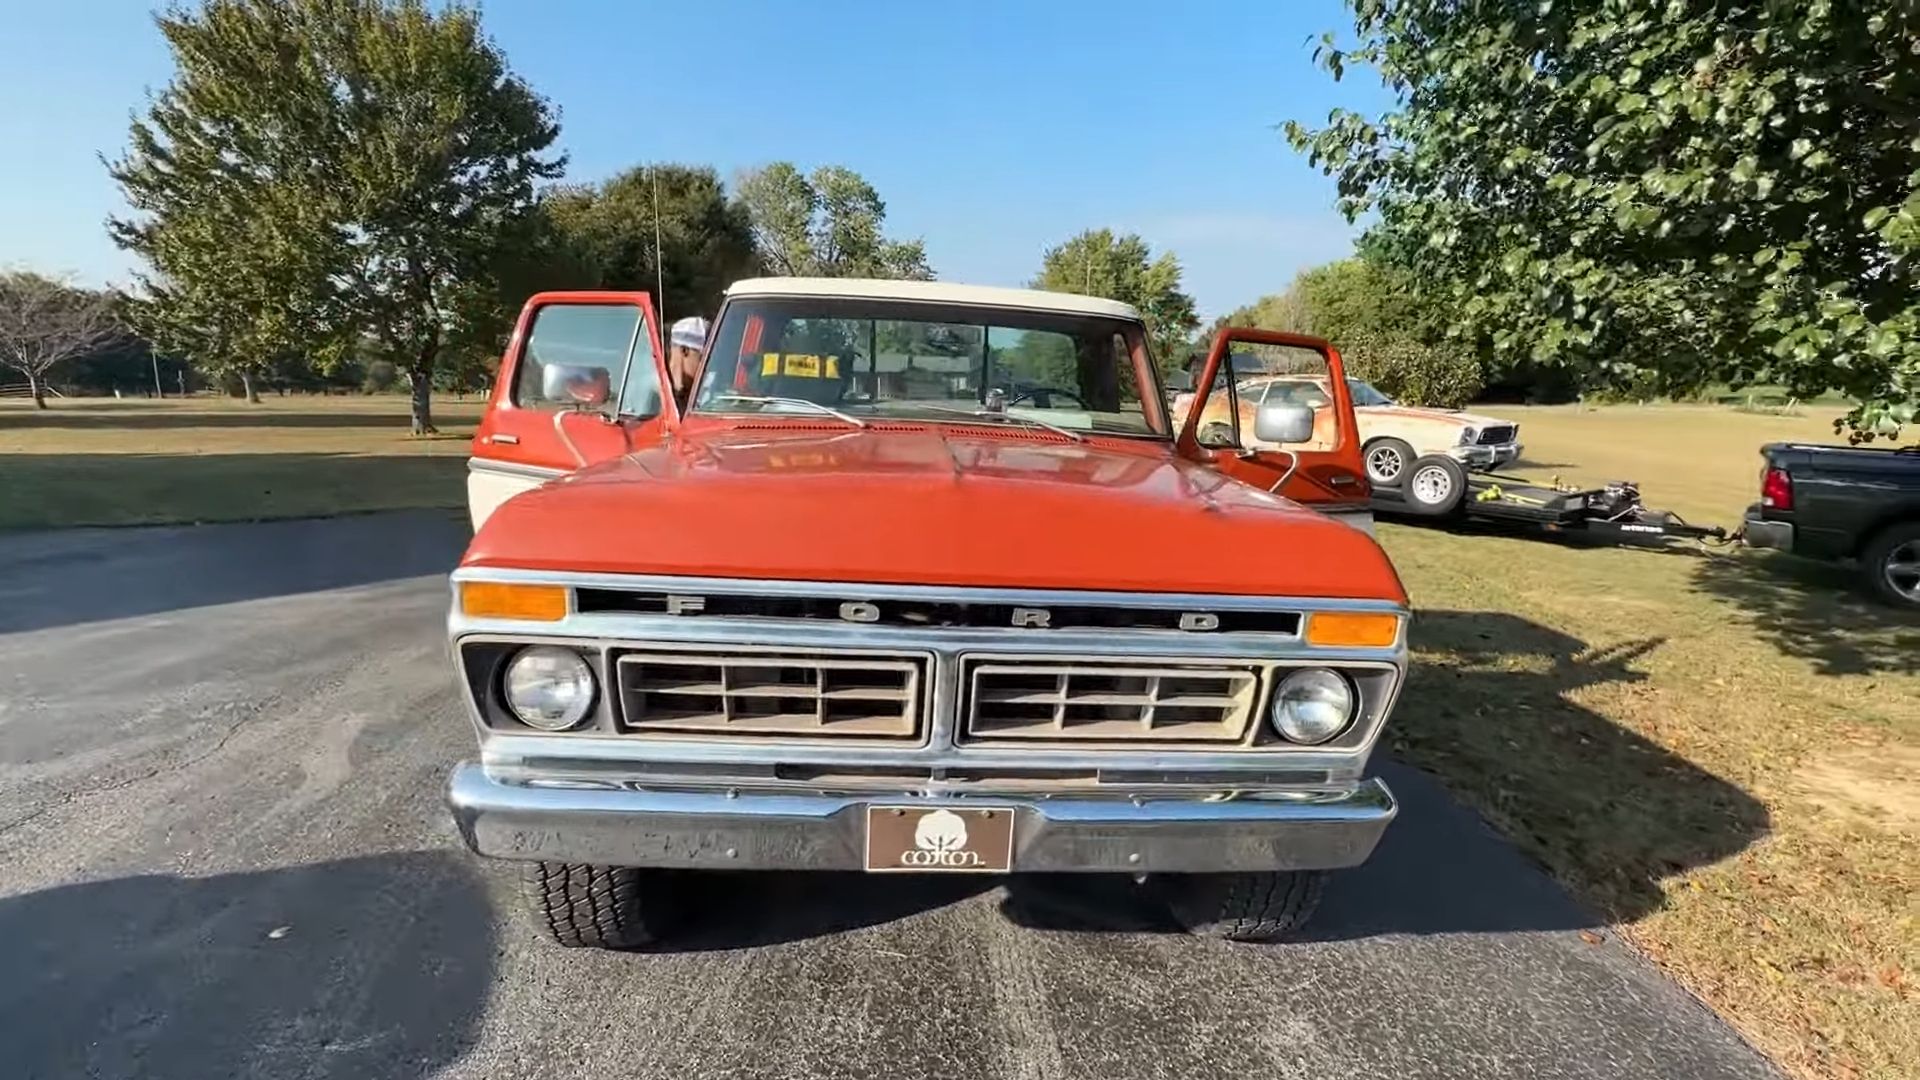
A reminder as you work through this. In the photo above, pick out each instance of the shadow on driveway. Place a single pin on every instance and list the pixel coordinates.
(382, 969)
(1488, 708)
(68, 576)
(721, 912)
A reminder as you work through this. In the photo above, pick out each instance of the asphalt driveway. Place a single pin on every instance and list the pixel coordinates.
(223, 853)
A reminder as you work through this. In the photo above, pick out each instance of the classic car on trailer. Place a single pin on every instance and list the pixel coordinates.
(922, 578)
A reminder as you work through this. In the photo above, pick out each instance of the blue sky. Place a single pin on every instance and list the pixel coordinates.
(991, 129)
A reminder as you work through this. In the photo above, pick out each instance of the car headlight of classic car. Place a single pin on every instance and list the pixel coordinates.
(1467, 436)
(1312, 706)
(548, 687)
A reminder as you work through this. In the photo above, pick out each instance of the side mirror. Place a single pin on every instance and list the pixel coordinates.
(1283, 423)
(575, 384)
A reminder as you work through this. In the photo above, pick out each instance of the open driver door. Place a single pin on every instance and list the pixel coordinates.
(1273, 410)
(583, 380)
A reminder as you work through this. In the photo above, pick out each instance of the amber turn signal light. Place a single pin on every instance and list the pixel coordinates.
(500, 600)
(1374, 629)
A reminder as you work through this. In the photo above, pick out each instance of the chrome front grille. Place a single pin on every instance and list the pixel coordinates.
(771, 694)
(1080, 701)
(1496, 434)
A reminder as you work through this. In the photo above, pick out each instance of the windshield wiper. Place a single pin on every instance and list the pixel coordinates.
(983, 414)
(803, 402)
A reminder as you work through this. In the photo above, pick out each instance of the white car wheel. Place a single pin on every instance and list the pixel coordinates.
(1432, 486)
(1435, 486)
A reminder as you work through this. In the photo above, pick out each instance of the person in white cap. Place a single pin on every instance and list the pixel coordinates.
(684, 343)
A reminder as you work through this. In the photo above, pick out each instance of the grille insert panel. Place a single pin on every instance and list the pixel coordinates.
(1077, 701)
(756, 694)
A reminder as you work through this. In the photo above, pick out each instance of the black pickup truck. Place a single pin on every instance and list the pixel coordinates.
(1841, 502)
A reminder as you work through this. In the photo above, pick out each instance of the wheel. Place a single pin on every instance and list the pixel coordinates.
(600, 907)
(1435, 485)
(1891, 561)
(1246, 906)
(1387, 460)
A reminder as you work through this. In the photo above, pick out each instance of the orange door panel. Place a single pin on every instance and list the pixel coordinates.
(1325, 472)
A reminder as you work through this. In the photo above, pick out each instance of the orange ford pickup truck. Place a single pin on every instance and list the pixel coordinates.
(922, 578)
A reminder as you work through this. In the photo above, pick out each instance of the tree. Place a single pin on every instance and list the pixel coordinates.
(828, 224)
(44, 323)
(1099, 263)
(379, 155)
(244, 273)
(1653, 194)
(705, 242)
(1389, 335)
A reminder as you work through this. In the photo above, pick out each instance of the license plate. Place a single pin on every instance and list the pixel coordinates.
(939, 839)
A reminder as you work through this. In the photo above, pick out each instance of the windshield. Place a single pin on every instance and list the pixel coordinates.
(1364, 395)
(867, 358)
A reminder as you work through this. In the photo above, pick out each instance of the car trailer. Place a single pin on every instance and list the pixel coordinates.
(1437, 487)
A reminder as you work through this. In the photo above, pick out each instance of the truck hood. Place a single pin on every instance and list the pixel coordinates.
(920, 504)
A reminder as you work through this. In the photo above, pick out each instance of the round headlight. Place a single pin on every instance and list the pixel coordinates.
(549, 688)
(1312, 706)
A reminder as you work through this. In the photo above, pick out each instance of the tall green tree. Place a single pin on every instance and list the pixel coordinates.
(1372, 311)
(245, 273)
(1100, 263)
(396, 154)
(827, 224)
(705, 242)
(1657, 194)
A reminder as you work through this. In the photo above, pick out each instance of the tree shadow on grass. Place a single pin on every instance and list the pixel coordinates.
(376, 966)
(98, 418)
(1606, 812)
(58, 577)
(1488, 709)
(51, 491)
(1814, 611)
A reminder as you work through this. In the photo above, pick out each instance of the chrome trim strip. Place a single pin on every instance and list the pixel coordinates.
(508, 468)
(951, 593)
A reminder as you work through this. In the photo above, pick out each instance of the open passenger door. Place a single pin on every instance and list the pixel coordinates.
(584, 379)
(1274, 410)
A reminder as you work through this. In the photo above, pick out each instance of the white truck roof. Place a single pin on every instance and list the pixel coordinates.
(935, 292)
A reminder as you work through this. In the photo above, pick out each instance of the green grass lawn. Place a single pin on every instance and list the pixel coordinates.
(1720, 751)
(108, 462)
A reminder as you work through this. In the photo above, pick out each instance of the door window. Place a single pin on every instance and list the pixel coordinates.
(593, 337)
(1265, 374)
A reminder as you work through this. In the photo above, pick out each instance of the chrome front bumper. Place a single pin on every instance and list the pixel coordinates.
(1486, 457)
(718, 830)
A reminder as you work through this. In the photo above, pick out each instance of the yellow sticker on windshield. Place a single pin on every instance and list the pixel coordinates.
(799, 365)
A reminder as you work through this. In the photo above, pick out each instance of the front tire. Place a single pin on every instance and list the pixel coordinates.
(1891, 561)
(1387, 461)
(1246, 906)
(595, 907)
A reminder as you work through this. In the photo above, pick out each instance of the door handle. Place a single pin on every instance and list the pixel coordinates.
(504, 440)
